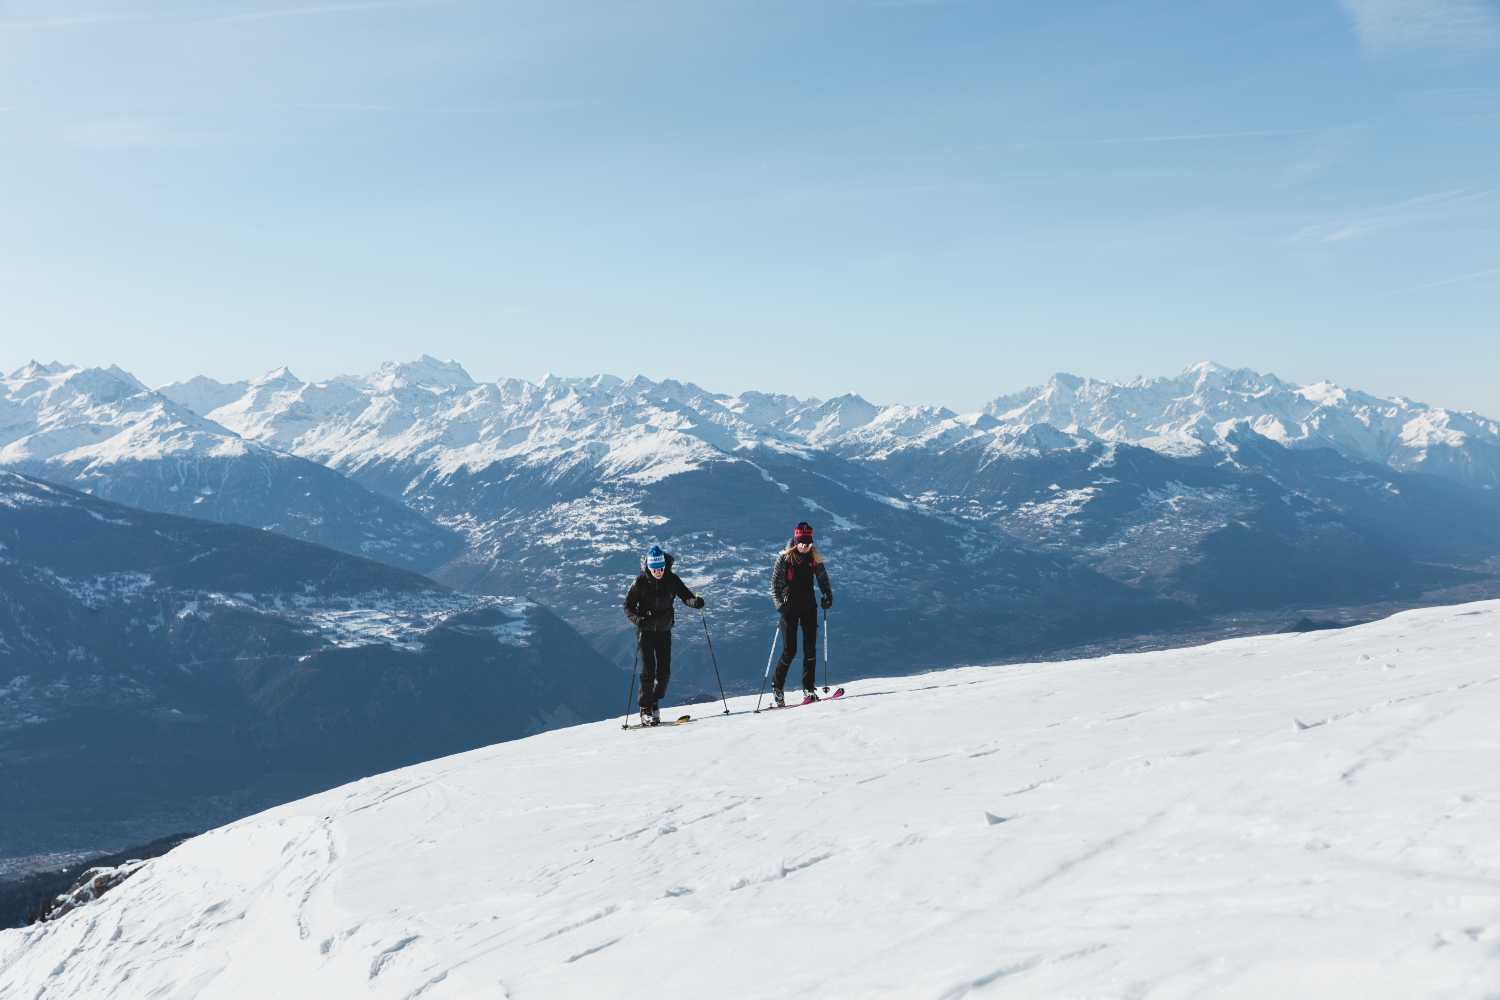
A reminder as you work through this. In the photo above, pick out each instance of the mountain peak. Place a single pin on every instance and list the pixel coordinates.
(850, 399)
(36, 369)
(426, 370)
(278, 377)
(104, 384)
(1240, 380)
(1201, 368)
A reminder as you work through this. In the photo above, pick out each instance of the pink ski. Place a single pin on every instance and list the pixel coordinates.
(838, 693)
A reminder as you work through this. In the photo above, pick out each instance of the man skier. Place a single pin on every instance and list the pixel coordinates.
(799, 564)
(650, 608)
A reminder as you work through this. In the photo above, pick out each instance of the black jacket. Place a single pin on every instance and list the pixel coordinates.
(792, 581)
(649, 605)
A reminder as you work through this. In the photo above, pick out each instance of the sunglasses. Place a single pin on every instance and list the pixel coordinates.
(804, 544)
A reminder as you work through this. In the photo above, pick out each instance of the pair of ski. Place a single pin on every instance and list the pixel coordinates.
(680, 720)
(827, 697)
(684, 719)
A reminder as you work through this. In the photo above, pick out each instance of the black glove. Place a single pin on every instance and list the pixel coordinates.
(827, 601)
(696, 602)
(643, 618)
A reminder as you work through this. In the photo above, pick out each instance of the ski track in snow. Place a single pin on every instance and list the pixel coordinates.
(1275, 816)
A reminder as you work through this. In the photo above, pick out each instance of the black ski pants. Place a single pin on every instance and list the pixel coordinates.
(808, 619)
(656, 666)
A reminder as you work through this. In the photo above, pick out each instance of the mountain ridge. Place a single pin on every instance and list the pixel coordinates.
(101, 430)
(1091, 517)
(1176, 414)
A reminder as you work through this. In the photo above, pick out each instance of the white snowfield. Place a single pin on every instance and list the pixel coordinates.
(1286, 816)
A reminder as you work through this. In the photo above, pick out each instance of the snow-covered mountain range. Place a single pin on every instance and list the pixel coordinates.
(1281, 816)
(160, 673)
(102, 431)
(1068, 514)
(434, 413)
(1207, 403)
(1165, 486)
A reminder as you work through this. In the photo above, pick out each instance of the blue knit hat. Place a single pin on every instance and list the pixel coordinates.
(656, 558)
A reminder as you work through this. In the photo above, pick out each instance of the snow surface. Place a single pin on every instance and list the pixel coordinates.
(1308, 815)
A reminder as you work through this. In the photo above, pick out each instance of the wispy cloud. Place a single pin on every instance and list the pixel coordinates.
(1134, 140)
(1321, 156)
(370, 108)
(314, 10)
(131, 133)
(1407, 212)
(63, 22)
(1154, 139)
(1387, 25)
(912, 3)
(1457, 279)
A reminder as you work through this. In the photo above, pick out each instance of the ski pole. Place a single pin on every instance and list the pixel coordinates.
(704, 615)
(825, 650)
(763, 680)
(630, 695)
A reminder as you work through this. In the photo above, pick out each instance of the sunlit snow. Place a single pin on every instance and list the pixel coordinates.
(1308, 815)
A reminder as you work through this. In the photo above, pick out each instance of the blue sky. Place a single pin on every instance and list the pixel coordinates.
(920, 200)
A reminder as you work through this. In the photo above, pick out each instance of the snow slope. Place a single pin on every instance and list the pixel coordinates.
(1278, 816)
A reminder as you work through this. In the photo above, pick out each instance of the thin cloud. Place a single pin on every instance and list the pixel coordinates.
(1164, 138)
(355, 107)
(313, 10)
(63, 23)
(1322, 156)
(1457, 279)
(1131, 140)
(131, 133)
(1397, 215)
(92, 20)
(1389, 25)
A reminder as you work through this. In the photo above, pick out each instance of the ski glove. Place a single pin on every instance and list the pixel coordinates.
(827, 601)
(696, 602)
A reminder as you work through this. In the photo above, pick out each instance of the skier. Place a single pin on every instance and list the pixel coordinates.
(799, 564)
(649, 606)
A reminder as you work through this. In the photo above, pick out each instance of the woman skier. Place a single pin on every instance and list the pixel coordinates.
(650, 608)
(799, 564)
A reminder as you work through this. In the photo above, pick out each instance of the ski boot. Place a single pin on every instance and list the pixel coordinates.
(646, 716)
(808, 697)
(778, 698)
(656, 715)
